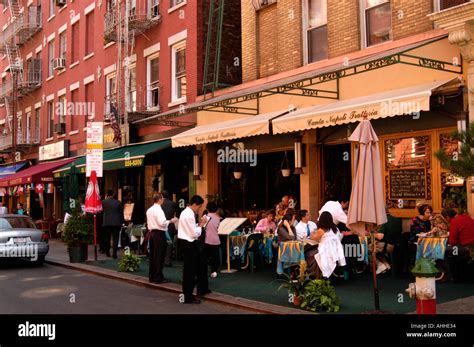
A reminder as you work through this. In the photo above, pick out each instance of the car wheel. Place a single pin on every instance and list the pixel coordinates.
(40, 260)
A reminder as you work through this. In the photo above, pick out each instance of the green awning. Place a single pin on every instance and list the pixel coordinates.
(118, 158)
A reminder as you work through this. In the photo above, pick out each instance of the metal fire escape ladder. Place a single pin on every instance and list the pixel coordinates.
(213, 47)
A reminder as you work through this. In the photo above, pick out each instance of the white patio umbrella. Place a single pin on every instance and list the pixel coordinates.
(367, 207)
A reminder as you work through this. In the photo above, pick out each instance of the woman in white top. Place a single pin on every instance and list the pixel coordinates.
(330, 250)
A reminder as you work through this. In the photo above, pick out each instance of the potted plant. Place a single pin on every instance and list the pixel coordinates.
(77, 234)
(129, 263)
(319, 295)
(295, 285)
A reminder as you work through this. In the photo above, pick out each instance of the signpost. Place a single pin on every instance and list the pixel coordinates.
(94, 148)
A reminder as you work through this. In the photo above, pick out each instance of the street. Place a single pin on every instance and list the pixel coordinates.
(50, 289)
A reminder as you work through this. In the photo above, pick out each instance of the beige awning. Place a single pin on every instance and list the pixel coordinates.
(229, 130)
(392, 103)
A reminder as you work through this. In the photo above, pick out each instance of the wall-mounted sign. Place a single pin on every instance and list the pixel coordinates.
(408, 184)
(54, 150)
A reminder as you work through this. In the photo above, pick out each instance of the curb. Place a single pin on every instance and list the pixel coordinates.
(223, 299)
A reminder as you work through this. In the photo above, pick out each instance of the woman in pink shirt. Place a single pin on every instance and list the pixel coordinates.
(212, 241)
(266, 224)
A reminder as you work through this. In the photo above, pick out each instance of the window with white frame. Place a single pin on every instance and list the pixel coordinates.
(62, 109)
(75, 40)
(90, 33)
(133, 8)
(377, 21)
(28, 128)
(38, 124)
(19, 128)
(50, 58)
(154, 8)
(315, 30)
(441, 5)
(178, 63)
(110, 92)
(153, 79)
(174, 3)
(62, 45)
(132, 89)
(52, 8)
(50, 119)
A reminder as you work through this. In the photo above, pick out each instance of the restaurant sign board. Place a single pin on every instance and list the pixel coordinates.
(54, 150)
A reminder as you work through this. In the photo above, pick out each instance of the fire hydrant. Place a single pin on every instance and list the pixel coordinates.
(424, 288)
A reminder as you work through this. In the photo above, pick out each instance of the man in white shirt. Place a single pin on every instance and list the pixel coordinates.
(336, 209)
(189, 232)
(3, 209)
(157, 223)
(303, 229)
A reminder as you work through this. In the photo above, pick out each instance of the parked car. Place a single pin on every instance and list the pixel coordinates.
(20, 238)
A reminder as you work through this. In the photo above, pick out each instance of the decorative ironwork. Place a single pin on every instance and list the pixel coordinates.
(386, 61)
(435, 64)
(330, 76)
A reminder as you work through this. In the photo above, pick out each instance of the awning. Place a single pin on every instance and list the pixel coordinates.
(381, 105)
(118, 158)
(38, 173)
(6, 170)
(229, 130)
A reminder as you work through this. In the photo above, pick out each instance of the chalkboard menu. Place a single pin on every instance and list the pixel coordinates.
(407, 184)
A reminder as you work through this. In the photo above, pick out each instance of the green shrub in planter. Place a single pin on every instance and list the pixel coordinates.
(129, 263)
(79, 229)
(319, 295)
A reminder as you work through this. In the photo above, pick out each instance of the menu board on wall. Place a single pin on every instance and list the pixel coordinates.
(407, 184)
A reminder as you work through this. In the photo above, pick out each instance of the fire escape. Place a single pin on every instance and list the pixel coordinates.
(123, 23)
(23, 79)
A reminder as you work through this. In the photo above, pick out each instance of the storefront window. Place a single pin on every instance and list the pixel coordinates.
(407, 171)
(452, 187)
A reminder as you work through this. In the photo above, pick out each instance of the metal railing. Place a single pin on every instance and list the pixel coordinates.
(29, 138)
(138, 22)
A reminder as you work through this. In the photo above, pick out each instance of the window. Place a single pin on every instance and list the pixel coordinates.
(377, 20)
(111, 5)
(62, 45)
(179, 71)
(28, 134)
(316, 30)
(174, 3)
(90, 33)
(153, 81)
(74, 117)
(133, 8)
(133, 89)
(38, 124)
(50, 58)
(154, 8)
(50, 118)
(444, 4)
(19, 128)
(110, 92)
(62, 109)
(75, 42)
(89, 99)
(52, 8)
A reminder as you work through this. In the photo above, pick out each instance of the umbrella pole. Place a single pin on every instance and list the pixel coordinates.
(95, 237)
(374, 270)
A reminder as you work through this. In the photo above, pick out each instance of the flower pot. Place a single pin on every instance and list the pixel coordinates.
(296, 300)
(285, 172)
(237, 175)
(78, 253)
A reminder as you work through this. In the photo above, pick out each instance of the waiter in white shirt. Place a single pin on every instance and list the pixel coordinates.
(336, 209)
(157, 223)
(189, 232)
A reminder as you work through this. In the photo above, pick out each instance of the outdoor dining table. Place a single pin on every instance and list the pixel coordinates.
(431, 247)
(290, 253)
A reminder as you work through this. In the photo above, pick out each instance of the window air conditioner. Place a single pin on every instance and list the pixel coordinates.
(59, 63)
(60, 128)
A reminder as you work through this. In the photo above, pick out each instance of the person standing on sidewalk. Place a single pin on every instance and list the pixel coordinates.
(112, 221)
(158, 225)
(189, 232)
(212, 242)
(169, 208)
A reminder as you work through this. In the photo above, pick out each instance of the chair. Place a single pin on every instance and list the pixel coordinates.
(253, 247)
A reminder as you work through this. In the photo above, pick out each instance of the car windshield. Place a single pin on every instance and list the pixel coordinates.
(16, 223)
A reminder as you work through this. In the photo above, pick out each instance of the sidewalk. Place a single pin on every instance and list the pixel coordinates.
(58, 256)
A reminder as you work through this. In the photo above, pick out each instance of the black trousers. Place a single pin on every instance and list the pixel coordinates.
(157, 255)
(194, 269)
(212, 256)
(170, 248)
(111, 232)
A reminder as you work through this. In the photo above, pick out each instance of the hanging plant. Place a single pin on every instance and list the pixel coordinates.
(285, 166)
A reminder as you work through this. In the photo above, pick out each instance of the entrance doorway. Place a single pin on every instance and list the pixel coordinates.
(337, 174)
